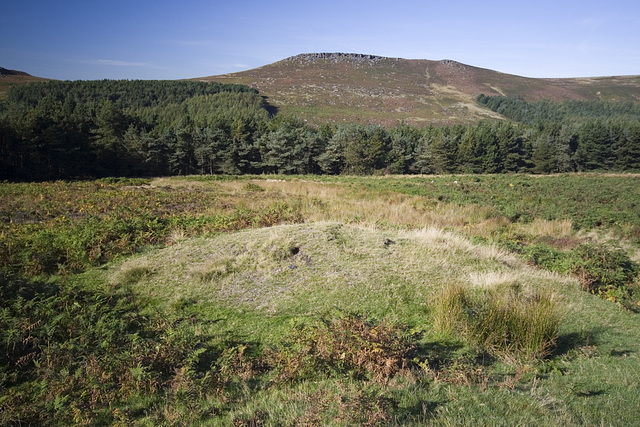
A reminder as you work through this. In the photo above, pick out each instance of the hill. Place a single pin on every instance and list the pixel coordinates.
(344, 87)
(10, 78)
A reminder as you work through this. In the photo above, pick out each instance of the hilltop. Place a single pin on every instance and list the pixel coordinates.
(347, 87)
(4, 72)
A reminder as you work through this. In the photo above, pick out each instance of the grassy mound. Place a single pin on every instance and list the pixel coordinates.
(276, 274)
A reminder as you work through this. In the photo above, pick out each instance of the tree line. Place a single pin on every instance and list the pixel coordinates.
(58, 130)
(516, 108)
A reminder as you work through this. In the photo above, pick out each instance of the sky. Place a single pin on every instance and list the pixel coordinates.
(141, 39)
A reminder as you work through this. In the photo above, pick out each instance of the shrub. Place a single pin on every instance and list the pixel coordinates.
(349, 345)
(252, 187)
(602, 269)
(547, 257)
(79, 355)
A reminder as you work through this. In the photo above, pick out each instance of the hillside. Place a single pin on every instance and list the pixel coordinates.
(341, 87)
(10, 78)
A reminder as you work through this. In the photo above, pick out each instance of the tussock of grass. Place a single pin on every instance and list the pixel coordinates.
(514, 324)
(448, 309)
(516, 327)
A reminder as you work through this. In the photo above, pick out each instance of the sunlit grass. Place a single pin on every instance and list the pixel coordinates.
(311, 269)
(255, 266)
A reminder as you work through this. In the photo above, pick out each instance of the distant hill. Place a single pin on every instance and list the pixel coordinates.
(337, 87)
(5, 72)
(10, 78)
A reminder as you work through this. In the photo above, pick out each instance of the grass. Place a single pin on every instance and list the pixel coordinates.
(301, 271)
(504, 322)
(317, 301)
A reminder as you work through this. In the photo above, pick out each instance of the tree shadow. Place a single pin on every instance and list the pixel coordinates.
(15, 286)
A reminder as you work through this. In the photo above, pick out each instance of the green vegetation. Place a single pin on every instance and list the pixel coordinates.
(502, 321)
(62, 130)
(135, 128)
(320, 300)
(327, 299)
(567, 111)
(224, 297)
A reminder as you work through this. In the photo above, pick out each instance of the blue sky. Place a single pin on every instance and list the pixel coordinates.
(140, 39)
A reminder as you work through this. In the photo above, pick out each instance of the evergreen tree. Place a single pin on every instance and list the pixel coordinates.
(510, 148)
(403, 140)
(158, 151)
(444, 151)
(422, 156)
(566, 146)
(183, 157)
(594, 145)
(628, 157)
(470, 152)
(543, 157)
(108, 139)
(364, 149)
(209, 143)
(332, 160)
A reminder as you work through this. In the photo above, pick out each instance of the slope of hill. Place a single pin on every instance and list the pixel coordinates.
(10, 78)
(338, 87)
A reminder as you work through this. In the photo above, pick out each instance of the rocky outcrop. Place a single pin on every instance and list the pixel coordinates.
(354, 58)
(455, 65)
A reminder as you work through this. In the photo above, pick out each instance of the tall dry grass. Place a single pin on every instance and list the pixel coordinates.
(335, 202)
(510, 323)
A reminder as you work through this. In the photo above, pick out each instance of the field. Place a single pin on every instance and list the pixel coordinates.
(334, 300)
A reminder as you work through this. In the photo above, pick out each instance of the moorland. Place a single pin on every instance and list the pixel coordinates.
(193, 253)
(321, 300)
(367, 89)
